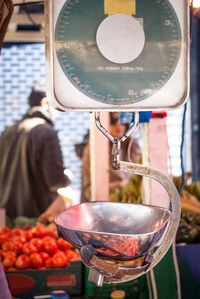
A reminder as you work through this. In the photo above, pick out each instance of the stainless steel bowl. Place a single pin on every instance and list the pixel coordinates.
(117, 231)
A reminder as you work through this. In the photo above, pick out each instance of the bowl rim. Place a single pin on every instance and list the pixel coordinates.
(115, 234)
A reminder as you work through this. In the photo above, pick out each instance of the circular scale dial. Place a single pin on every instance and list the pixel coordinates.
(118, 59)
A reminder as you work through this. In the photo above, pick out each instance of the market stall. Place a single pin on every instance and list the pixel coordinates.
(126, 242)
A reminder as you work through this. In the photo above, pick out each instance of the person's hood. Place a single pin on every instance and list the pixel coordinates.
(38, 111)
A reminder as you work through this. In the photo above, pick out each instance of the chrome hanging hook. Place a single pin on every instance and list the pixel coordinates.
(115, 152)
(116, 141)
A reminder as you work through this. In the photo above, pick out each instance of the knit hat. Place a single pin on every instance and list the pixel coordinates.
(37, 94)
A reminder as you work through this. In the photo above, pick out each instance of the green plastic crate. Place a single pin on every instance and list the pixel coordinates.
(165, 279)
(134, 289)
(30, 283)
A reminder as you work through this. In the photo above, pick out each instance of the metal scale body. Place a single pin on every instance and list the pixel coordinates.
(118, 55)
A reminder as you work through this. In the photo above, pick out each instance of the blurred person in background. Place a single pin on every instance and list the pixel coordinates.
(31, 166)
(130, 151)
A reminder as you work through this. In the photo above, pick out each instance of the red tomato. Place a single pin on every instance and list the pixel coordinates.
(48, 263)
(40, 231)
(20, 239)
(17, 231)
(17, 247)
(9, 261)
(5, 230)
(4, 238)
(38, 243)
(52, 234)
(22, 262)
(47, 238)
(50, 246)
(11, 253)
(6, 246)
(28, 235)
(60, 251)
(29, 248)
(59, 260)
(36, 260)
(71, 255)
(62, 244)
(27, 226)
(45, 256)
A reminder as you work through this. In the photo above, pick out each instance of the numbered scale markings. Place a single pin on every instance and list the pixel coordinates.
(118, 59)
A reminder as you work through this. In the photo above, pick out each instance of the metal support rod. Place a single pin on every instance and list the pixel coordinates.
(175, 207)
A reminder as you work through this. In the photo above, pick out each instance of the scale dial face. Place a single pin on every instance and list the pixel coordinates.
(120, 61)
(104, 77)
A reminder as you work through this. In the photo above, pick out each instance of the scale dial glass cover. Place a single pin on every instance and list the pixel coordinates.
(118, 61)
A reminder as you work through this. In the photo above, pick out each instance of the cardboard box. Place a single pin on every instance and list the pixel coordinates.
(29, 283)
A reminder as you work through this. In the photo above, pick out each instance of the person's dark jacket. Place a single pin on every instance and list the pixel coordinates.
(31, 166)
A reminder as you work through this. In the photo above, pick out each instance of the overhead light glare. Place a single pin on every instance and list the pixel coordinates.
(195, 3)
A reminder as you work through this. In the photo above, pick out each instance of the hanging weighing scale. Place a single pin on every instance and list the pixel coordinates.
(118, 55)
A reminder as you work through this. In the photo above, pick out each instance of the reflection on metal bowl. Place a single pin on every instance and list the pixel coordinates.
(117, 231)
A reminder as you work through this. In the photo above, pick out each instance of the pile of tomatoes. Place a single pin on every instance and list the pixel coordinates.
(36, 248)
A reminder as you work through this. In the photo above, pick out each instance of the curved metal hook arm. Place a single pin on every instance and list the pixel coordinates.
(175, 207)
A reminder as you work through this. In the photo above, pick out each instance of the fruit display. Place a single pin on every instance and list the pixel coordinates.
(129, 193)
(189, 229)
(189, 195)
(34, 248)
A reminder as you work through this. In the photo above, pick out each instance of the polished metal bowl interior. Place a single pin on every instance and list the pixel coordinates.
(117, 231)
